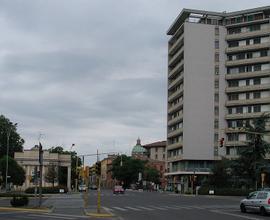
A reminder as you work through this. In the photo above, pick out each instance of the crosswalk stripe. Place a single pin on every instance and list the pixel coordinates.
(58, 217)
(128, 207)
(118, 208)
(108, 209)
(156, 207)
(170, 207)
(145, 208)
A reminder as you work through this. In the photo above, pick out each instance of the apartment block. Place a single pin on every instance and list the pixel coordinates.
(218, 79)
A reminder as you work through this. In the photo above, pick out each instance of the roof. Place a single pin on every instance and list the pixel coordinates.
(138, 149)
(156, 144)
(185, 13)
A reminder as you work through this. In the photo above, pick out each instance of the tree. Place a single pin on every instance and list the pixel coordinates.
(75, 160)
(8, 130)
(126, 169)
(151, 175)
(220, 173)
(51, 175)
(15, 171)
(252, 158)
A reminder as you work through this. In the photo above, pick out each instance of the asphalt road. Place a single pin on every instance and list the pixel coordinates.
(141, 206)
(160, 206)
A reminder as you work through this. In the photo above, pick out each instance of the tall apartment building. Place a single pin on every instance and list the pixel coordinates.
(218, 78)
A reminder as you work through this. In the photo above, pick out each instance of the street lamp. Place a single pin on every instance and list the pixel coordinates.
(8, 135)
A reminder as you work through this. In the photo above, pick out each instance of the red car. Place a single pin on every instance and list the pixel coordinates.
(118, 190)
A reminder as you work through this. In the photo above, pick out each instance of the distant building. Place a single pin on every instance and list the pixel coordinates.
(29, 160)
(138, 151)
(106, 172)
(218, 80)
(157, 158)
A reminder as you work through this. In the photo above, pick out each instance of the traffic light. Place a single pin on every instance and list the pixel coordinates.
(98, 168)
(221, 142)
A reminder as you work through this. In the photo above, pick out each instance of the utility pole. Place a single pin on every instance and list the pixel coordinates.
(98, 179)
(8, 134)
(40, 173)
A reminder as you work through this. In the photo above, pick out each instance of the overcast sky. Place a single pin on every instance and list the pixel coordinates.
(90, 72)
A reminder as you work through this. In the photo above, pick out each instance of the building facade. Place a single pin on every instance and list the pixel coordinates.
(29, 161)
(157, 159)
(218, 79)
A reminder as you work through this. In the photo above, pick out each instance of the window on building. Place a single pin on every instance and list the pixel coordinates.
(257, 108)
(233, 96)
(227, 151)
(247, 82)
(257, 67)
(216, 124)
(256, 95)
(216, 70)
(257, 40)
(216, 44)
(216, 84)
(216, 31)
(249, 55)
(216, 97)
(249, 109)
(216, 137)
(216, 110)
(247, 95)
(257, 81)
(239, 110)
(242, 69)
(264, 53)
(256, 27)
(156, 156)
(233, 83)
(217, 57)
(233, 44)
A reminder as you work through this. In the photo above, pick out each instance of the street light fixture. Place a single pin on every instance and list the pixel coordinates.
(8, 136)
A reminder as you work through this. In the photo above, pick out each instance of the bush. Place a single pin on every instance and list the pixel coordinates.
(18, 201)
(224, 191)
(46, 190)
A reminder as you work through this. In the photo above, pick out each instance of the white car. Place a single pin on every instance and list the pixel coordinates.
(82, 188)
(258, 201)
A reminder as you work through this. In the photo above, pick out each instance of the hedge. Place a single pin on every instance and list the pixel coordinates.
(17, 201)
(46, 190)
(224, 191)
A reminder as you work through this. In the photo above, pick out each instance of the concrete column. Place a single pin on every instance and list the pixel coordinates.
(69, 178)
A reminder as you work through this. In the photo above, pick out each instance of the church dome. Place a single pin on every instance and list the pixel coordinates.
(138, 149)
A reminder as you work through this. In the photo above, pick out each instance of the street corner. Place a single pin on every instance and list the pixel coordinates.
(25, 209)
(104, 213)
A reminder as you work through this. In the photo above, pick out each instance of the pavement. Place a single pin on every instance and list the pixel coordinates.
(134, 205)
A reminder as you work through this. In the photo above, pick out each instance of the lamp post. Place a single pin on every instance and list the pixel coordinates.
(8, 136)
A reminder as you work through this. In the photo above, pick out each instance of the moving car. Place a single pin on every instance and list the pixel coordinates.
(82, 188)
(118, 190)
(258, 201)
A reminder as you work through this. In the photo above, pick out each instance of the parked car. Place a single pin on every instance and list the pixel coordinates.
(118, 190)
(82, 188)
(258, 201)
(94, 187)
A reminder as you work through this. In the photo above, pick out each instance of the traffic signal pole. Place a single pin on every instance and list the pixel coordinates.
(98, 170)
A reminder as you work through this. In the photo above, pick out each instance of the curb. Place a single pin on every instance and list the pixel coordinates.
(47, 210)
(99, 215)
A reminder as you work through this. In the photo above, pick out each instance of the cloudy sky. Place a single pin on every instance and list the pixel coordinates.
(90, 72)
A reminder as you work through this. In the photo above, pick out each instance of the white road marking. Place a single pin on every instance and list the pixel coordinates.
(145, 208)
(170, 207)
(134, 209)
(159, 208)
(51, 216)
(235, 215)
(118, 208)
(107, 209)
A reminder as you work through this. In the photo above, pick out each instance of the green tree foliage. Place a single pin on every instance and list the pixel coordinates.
(220, 173)
(62, 171)
(128, 170)
(7, 128)
(151, 174)
(51, 175)
(15, 171)
(252, 158)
